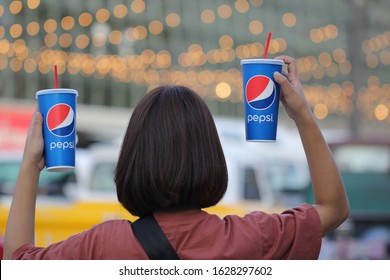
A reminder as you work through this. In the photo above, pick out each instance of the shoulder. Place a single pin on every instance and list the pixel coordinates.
(302, 212)
(89, 244)
(112, 228)
(111, 225)
(302, 216)
(293, 234)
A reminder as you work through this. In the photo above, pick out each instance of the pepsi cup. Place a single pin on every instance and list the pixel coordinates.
(261, 98)
(58, 108)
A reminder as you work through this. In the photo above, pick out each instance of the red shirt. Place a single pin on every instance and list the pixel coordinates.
(294, 234)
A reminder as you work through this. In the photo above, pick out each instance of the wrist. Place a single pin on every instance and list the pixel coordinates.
(304, 119)
(30, 168)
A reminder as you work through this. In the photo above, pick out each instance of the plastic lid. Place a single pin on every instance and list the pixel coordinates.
(263, 61)
(56, 90)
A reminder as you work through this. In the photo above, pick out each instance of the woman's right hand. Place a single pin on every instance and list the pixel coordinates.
(33, 149)
(21, 218)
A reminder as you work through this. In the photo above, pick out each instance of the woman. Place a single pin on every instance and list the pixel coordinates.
(171, 165)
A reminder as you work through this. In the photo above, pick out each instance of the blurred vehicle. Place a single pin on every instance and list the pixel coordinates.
(69, 203)
(364, 164)
(284, 166)
(1, 247)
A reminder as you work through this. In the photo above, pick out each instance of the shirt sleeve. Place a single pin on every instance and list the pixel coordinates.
(64, 250)
(107, 240)
(294, 234)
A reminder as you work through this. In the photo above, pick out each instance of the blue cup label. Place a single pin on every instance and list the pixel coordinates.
(260, 92)
(58, 107)
(261, 99)
(60, 120)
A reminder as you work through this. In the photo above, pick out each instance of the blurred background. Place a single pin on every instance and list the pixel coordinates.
(113, 51)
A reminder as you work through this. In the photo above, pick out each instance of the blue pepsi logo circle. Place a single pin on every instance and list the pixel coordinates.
(260, 92)
(60, 120)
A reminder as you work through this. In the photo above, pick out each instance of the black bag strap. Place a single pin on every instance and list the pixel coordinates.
(153, 239)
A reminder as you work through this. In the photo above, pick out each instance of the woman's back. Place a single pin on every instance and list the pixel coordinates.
(199, 235)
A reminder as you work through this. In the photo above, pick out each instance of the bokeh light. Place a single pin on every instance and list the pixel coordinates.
(381, 112)
(223, 90)
(67, 23)
(207, 16)
(50, 25)
(173, 20)
(256, 27)
(15, 7)
(85, 19)
(156, 27)
(120, 11)
(15, 30)
(33, 28)
(289, 19)
(102, 15)
(33, 4)
(138, 6)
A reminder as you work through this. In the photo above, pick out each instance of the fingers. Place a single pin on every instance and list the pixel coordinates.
(36, 123)
(280, 79)
(37, 117)
(33, 149)
(287, 59)
(283, 82)
(291, 65)
(35, 130)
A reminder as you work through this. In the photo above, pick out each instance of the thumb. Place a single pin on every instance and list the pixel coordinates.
(34, 134)
(33, 149)
(280, 79)
(36, 124)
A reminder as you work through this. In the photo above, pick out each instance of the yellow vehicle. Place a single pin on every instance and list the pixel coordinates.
(69, 203)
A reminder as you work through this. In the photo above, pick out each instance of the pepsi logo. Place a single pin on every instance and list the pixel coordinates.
(260, 92)
(60, 120)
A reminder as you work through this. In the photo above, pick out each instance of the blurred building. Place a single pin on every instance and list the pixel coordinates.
(113, 51)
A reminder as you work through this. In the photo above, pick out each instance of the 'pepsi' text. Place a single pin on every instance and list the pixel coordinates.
(260, 118)
(62, 145)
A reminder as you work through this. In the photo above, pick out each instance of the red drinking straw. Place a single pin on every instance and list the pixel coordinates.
(55, 76)
(267, 44)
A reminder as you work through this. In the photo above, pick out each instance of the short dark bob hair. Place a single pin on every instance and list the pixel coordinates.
(171, 156)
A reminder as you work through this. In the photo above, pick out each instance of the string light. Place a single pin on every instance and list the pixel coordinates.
(150, 66)
(173, 20)
(289, 19)
(223, 90)
(256, 27)
(33, 28)
(120, 11)
(67, 23)
(102, 15)
(85, 19)
(207, 16)
(324, 33)
(15, 30)
(224, 11)
(15, 7)
(33, 4)
(242, 6)
(155, 27)
(138, 6)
